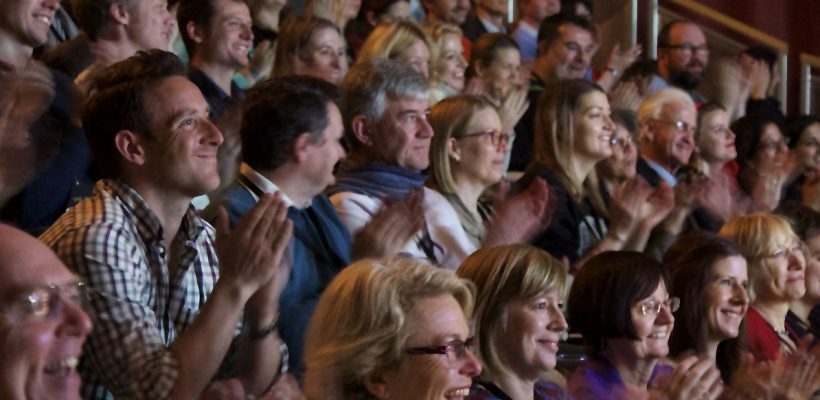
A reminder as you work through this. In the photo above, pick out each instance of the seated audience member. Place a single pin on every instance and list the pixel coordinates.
(805, 313)
(42, 327)
(619, 302)
(531, 13)
(619, 168)
(402, 41)
(447, 65)
(565, 49)
(384, 107)
(573, 133)
(291, 128)
(372, 13)
(764, 162)
(407, 339)
(217, 35)
(310, 46)
(709, 276)
(165, 311)
(488, 16)
(517, 321)
(118, 29)
(803, 132)
(495, 62)
(451, 12)
(682, 59)
(466, 158)
(760, 65)
(668, 122)
(776, 279)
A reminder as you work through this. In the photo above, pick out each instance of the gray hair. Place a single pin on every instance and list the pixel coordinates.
(367, 86)
(652, 107)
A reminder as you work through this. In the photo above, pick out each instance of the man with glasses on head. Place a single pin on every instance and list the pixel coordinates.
(42, 327)
(683, 55)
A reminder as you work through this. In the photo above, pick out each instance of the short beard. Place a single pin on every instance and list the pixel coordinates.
(685, 80)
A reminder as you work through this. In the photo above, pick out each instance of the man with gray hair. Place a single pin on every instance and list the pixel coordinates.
(384, 107)
(668, 120)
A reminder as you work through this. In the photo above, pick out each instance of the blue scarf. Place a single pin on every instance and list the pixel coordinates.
(378, 180)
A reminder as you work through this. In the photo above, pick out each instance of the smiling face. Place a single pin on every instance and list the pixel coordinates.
(450, 65)
(669, 145)
(680, 66)
(772, 149)
(27, 22)
(151, 25)
(39, 352)
(652, 330)
(417, 56)
(527, 340)
(783, 275)
(228, 37)
(476, 158)
(501, 76)
(726, 297)
(808, 147)
(324, 57)
(433, 321)
(593, 127)
(570, 55)
(716, 141)
(181, 155)
(622, 164)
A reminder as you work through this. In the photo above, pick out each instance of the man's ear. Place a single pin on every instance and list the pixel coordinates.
(194, 32)
(362, 130)
(300, 147)
(376, 385)
(130, 147)
(647, 131)
(119, 13)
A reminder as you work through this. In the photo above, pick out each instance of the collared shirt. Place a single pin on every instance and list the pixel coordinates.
(490, 27)
(265, 185)
(217, 99)
(662, 172)
(527, 38)
(140, 300)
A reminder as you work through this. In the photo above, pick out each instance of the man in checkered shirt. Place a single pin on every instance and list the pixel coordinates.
(165, 311)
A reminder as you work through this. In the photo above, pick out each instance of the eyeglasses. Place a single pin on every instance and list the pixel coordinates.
(496, 137)
(689, 48)
(810, 143)
(455, 350)
(682, 126)
(775, 144)
(652, 307)
(46, 301)
(784, 252)
(622, 142)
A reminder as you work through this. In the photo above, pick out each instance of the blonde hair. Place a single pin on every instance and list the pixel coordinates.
(436, 31)
(758, 235)
(450, 118)
(554, 143)
(502, 274)
(360, 323)
(389, 40)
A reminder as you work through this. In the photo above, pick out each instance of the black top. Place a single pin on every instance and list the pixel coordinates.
(217, 99)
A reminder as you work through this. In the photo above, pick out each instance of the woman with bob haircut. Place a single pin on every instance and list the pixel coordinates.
(392, 328)
(517, 320)
(776, 278)
(466, 157)
(709, 276)
(403, 41)
(447, 66)
(310, 46)
(620, 304)
(495, 60)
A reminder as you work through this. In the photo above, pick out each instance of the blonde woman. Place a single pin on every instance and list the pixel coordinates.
(448, 66)
(392, 328)
(402, 41)
(517, 321)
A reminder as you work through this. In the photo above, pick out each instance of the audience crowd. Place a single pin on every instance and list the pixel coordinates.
(394, 199)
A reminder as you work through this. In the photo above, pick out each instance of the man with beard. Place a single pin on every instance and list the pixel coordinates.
(682, 59)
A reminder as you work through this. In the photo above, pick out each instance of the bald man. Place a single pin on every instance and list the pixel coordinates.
(42, 327)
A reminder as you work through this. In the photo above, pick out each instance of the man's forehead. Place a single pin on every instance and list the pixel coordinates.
(678, 110)
(574, 33)
(25, 261)
(686, 33)
(172, 96)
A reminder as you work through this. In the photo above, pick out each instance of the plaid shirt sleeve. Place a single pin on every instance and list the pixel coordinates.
(126, 347)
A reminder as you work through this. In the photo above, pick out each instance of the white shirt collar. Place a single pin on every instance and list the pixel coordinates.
(265, 185)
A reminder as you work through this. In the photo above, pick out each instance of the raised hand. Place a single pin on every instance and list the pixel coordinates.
(512, 109)
(694, 378)
(520, 217)
(261, 63)
(391, 228)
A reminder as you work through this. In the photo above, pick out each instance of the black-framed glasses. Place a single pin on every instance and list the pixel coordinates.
(679, 125)
(47, 301)
(622, 142)
(809, 143)
(455, 350)
(689, 48)
(653, 307)
(496, 137)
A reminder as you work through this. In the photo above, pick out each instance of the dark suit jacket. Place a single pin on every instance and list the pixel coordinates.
(647, 173)
(472, 27)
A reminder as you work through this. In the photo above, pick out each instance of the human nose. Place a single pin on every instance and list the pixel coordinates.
(665, 316)
(462, 62)
(558, 323)
(75, 321)
(246, 33)
(471, 366)
(425, 130)
(212, 135)
(740, 295)
(53, 5)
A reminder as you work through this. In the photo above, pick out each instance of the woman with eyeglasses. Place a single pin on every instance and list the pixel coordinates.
(517, 321)
(709, 275)
(620, 304)
(391, 329)
(467, 157)
(618, 168)
(764, 161)
(804, 134)
(776, 278)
